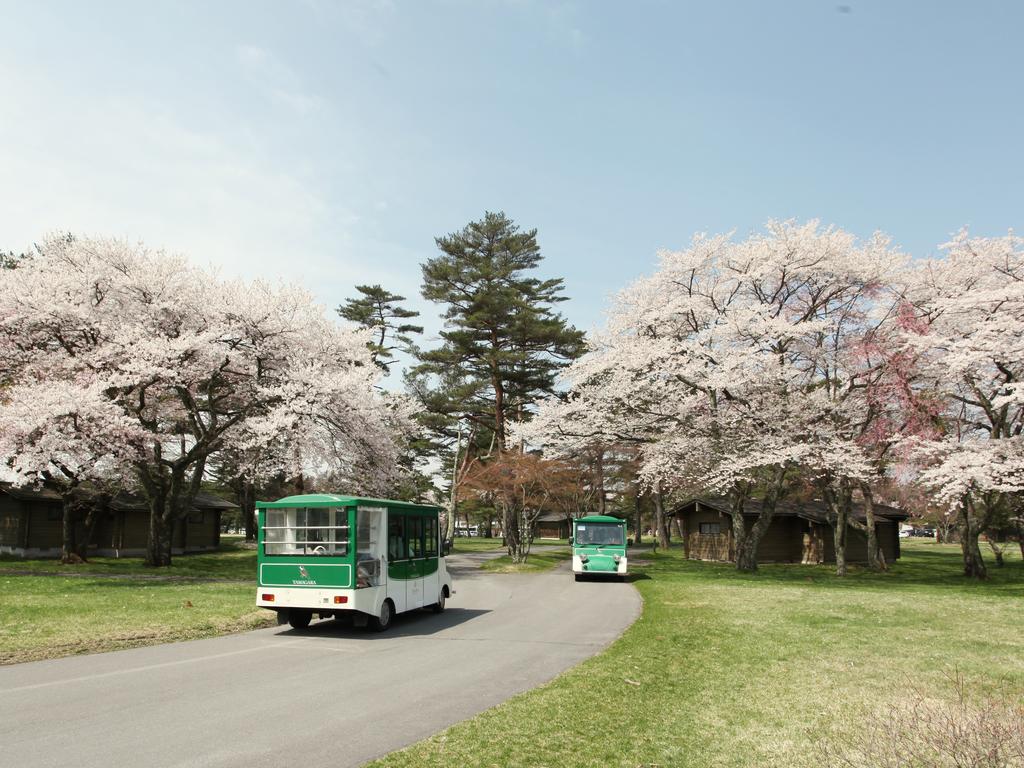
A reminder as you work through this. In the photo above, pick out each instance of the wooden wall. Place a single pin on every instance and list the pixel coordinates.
(45, 522)
(703, 546)
(552, 529)
(11, 534)
(783, 542)
(36, 526)
(788, 540)
(857, 543)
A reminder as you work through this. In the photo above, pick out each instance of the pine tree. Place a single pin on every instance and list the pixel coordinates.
(378, 310)
(504, 343)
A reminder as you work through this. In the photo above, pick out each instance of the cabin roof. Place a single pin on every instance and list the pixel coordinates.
(552, 517)
(30, 492)
(127, 502)
(338, 500)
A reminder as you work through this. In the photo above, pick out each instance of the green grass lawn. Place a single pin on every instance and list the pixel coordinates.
(476, 544)
(725, 669)
(47, 615)
(232, 561)
(537, 561)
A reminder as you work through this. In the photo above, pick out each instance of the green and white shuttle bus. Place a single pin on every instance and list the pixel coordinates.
(598, 546)
(330, 555)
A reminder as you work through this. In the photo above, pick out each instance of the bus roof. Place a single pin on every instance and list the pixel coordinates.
(599, 519)
(336, 500)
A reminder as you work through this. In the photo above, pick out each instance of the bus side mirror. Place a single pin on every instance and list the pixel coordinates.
(446, 549)
(572, 540)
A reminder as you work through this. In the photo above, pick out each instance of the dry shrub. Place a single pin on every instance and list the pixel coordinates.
(921, 731)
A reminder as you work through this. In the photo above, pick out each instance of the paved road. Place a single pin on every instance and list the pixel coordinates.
(329, 696)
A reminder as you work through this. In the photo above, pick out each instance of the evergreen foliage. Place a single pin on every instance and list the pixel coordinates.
(504, 342)
(378, 310)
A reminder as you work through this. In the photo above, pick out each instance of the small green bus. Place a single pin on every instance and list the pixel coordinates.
(333, 555)
(598, 546)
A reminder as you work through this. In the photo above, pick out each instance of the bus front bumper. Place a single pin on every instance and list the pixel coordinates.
(587, 563)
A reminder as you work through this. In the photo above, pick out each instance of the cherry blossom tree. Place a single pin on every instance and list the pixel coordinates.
(736, 367)
(197, 363)
(964, 326)
(73, 439)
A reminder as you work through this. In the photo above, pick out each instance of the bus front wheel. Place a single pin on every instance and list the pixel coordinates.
(299, 619)
(383, 621)
(438, 607)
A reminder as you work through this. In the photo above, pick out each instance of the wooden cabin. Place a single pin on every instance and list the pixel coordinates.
(31, 520)
(800, 532)
(551, 525)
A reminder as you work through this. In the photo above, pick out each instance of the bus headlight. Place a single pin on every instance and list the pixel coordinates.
(616, 558)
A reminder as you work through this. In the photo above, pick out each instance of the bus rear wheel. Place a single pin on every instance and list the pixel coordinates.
(383, 621)
(299, 619)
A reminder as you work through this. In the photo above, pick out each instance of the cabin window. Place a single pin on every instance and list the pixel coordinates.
(710, 529)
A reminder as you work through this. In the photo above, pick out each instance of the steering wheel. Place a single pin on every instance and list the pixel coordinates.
(320, 550)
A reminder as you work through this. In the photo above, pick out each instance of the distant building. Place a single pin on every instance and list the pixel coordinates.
(551, 525)
(31, 520)
(799, 532)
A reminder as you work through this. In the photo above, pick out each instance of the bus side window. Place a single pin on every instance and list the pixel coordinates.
(430, 524)
(396, 537)
(414, 534)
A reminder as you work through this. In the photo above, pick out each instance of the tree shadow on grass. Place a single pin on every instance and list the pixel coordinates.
(919, 568)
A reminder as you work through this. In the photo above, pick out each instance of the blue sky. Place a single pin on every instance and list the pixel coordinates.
(329, 142)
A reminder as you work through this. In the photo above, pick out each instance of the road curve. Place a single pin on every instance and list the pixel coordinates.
(331, 695)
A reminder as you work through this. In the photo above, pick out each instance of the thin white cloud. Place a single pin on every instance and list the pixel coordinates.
(276, 79)
(132, 167)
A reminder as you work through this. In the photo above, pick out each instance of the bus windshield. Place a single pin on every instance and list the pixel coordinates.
(301, 531)
(599, 534)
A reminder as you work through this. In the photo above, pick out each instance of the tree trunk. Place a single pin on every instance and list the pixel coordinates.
(451, 519)
(638, 520)
(599, 472)
(876, 557)
(249, 509)
(158, 548)
(839, 536)
(838, 501)
(68, 531)
(513, 533)
(92, 516)
(746, 542)
(997, 550)
(970, 529)
(660, 524)
(499, 412)
(743, 540)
